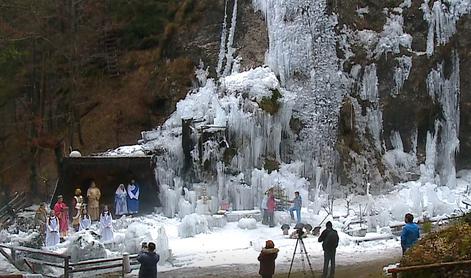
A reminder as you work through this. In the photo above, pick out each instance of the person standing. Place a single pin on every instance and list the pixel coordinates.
(410, 233)
(52, 230)
(148, 259)
(267, 259)
(93, 195)
(40, 219)
(297, 204)
(133, 197)
(62, 213)
(264, 209)
(77, 203)
(85, 220)
(106, 225)
(120, 201)
(271, 205)
(330, 241)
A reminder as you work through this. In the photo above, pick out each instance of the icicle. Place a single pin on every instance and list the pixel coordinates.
(222, 46)
(401, 73)
(230, 42)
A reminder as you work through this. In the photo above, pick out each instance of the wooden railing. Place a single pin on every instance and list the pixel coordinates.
(395, 271)
(18, 256)
(8, 211)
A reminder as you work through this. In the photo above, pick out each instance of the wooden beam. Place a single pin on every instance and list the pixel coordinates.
(34, 251)
(427, 266)
(97, 261)
(93, 268)
(36, 261)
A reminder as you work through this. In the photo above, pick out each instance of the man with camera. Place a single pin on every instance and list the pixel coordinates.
(330, 241)
(148, 259)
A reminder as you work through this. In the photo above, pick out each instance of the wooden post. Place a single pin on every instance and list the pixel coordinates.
(66, 266)
(13, 255)
(126, 264)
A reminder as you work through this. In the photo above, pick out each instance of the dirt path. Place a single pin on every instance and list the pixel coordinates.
(367, 269)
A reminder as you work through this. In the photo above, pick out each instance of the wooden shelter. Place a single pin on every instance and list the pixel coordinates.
(108, 173)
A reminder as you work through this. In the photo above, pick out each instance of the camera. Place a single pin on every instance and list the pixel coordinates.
(300, 232)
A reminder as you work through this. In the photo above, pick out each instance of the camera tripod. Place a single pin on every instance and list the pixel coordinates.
(303, 252)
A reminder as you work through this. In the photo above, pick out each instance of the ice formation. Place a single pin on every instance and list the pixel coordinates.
(302, 53)
(442, 18)
(136, 234)
(162, 246)
(401, 73)
(247, 223)
(447, 92)
(193, 224)
(227, 51)
(84, 246)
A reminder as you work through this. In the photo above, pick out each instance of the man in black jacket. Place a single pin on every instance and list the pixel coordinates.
(330, 241)
(148, 259)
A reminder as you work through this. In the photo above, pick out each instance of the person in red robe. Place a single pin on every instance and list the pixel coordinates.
(62, 213)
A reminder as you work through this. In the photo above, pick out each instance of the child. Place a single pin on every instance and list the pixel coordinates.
(52, 230)
(85, 220)
(106, 225)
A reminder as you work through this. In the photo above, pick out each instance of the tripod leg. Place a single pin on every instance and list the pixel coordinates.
(307, 257)
(292, 259)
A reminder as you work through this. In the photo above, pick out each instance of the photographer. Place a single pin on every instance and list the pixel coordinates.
(330, 241)
(148, 259)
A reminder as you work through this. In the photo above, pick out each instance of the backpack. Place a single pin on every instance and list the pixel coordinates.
(331, 241)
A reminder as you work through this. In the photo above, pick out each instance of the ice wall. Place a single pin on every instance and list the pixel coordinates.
(302, 53)
(446, 91)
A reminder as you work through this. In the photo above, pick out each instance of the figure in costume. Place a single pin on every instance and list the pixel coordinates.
(62, 213)
(106, 225)
(120, 201)
(133, 197)
(93, 195)
(77, 203)
(52, 230)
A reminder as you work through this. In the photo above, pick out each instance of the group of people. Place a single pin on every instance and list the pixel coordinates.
(55, 225)
(330, 240)
(269, 205)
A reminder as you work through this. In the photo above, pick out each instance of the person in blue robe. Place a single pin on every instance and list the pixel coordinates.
(133, 197)
(120, 201)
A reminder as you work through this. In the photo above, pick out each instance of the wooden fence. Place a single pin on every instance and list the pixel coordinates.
(395, 271)
(18, 256)
(8, 211)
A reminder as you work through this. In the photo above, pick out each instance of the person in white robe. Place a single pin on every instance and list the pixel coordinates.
(85, 220)
(52, 230)
(106, 225)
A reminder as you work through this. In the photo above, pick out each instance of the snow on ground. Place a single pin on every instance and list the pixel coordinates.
(229, 244)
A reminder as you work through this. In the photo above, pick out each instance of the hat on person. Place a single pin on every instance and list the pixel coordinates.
(269, 244)
(60, 196)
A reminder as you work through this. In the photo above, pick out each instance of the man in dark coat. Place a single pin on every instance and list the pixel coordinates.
(148, 259)
(330, 241)
(267, 259)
